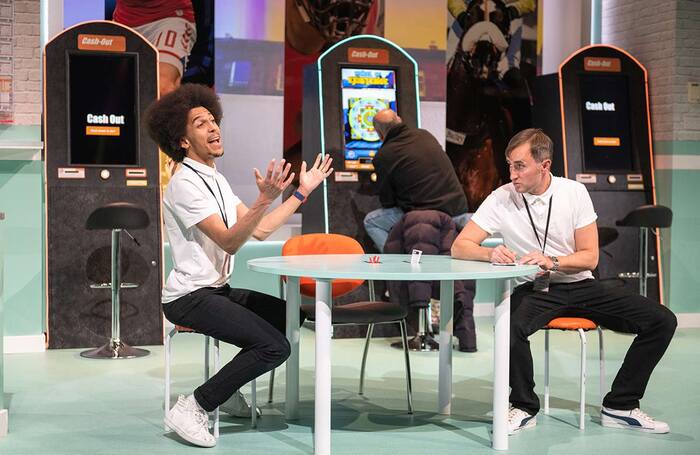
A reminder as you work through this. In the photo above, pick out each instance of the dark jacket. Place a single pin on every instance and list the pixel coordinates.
(414, 173)
(432, 232)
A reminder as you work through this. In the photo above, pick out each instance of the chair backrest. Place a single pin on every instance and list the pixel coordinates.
(321, 244)
(306, 244)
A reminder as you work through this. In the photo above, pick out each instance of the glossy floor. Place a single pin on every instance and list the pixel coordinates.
(61, 403)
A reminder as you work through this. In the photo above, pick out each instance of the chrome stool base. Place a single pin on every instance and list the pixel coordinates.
(424, 340)
(115, 349)
(420, 343)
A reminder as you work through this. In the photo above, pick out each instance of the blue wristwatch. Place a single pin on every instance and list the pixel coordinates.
(301, 197)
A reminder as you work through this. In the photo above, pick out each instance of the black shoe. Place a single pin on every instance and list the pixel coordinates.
(466, 341)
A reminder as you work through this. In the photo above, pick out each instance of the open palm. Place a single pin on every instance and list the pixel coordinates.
(310, 179)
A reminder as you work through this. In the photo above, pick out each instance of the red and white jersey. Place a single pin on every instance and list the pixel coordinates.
(139, 12)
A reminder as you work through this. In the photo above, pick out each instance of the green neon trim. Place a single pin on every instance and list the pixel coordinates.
(320, 100)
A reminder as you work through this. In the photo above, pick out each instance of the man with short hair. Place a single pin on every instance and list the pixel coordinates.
(550, 221)
(206, 224)
(413, 173)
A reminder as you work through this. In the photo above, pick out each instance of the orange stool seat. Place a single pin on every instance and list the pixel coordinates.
(571, 324)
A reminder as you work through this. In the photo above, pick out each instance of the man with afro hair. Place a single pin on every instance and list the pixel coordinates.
(206, 224)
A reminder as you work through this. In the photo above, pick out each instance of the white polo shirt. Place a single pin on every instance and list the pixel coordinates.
(197, 261)
(504, 212)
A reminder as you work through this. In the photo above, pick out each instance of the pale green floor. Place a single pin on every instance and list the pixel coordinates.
(62, 404)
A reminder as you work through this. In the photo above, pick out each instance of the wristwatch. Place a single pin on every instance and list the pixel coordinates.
(555, 263)
(298, 194)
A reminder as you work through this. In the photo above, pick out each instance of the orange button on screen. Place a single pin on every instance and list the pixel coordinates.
(606, 141)
(102, 130)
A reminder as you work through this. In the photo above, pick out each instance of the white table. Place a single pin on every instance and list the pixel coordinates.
(325, 268)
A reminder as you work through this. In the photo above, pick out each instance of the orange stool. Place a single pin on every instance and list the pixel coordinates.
(581, 325)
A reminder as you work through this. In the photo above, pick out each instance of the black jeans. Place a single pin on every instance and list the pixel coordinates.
(253, 321)
(612, 308)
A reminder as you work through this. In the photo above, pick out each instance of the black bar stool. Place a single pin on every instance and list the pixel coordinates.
(645, 217)
(116, 217)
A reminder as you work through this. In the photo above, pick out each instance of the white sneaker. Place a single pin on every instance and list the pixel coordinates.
(238, 406)
(633, 419)
(190, 422)
(519, 420)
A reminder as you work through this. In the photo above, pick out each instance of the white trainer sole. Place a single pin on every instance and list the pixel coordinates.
(531, 423)
(185, 436)
(610, 423)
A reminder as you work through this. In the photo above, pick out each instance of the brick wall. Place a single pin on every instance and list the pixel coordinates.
(663, 36)
(686, 119)
(27, 63)
(647, 30)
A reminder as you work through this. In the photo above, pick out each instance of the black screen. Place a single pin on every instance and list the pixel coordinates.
(102, 105)
(605, 123)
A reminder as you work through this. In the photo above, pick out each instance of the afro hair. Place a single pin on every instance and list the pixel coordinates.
(166, 118)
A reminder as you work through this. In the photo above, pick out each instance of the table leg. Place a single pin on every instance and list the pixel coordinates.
(322, 406)
(445, 340)
(501, 359)
(292, 386)
(4, 424)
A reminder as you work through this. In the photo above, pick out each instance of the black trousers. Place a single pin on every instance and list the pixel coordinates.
(612, 308)
(253, 321)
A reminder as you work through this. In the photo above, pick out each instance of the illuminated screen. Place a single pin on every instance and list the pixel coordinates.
(102, 109)
(364, 93)
(606, 123)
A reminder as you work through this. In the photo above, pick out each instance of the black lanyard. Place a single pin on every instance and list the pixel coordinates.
(222, 210)
(532, 223)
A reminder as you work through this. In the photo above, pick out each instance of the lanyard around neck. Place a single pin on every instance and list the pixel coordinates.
(222, 210)
(532, 223)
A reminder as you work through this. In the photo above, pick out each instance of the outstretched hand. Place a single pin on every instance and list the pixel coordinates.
(275, 181)
(309, 180)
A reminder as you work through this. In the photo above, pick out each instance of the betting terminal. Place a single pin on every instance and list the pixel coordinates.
(102, 77)
(602, 138)
(352, 81)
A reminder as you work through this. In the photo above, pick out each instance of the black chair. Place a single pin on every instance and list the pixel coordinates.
(371, 313)
(116, 217)
(646, 217)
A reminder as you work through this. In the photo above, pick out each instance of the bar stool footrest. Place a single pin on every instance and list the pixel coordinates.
(628, 275)
(109, 286)
(115, 349)
(419, 343)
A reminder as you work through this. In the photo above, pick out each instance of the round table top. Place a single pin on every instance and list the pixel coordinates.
(391, 267)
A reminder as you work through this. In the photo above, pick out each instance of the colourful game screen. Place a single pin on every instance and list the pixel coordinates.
(364, 92)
